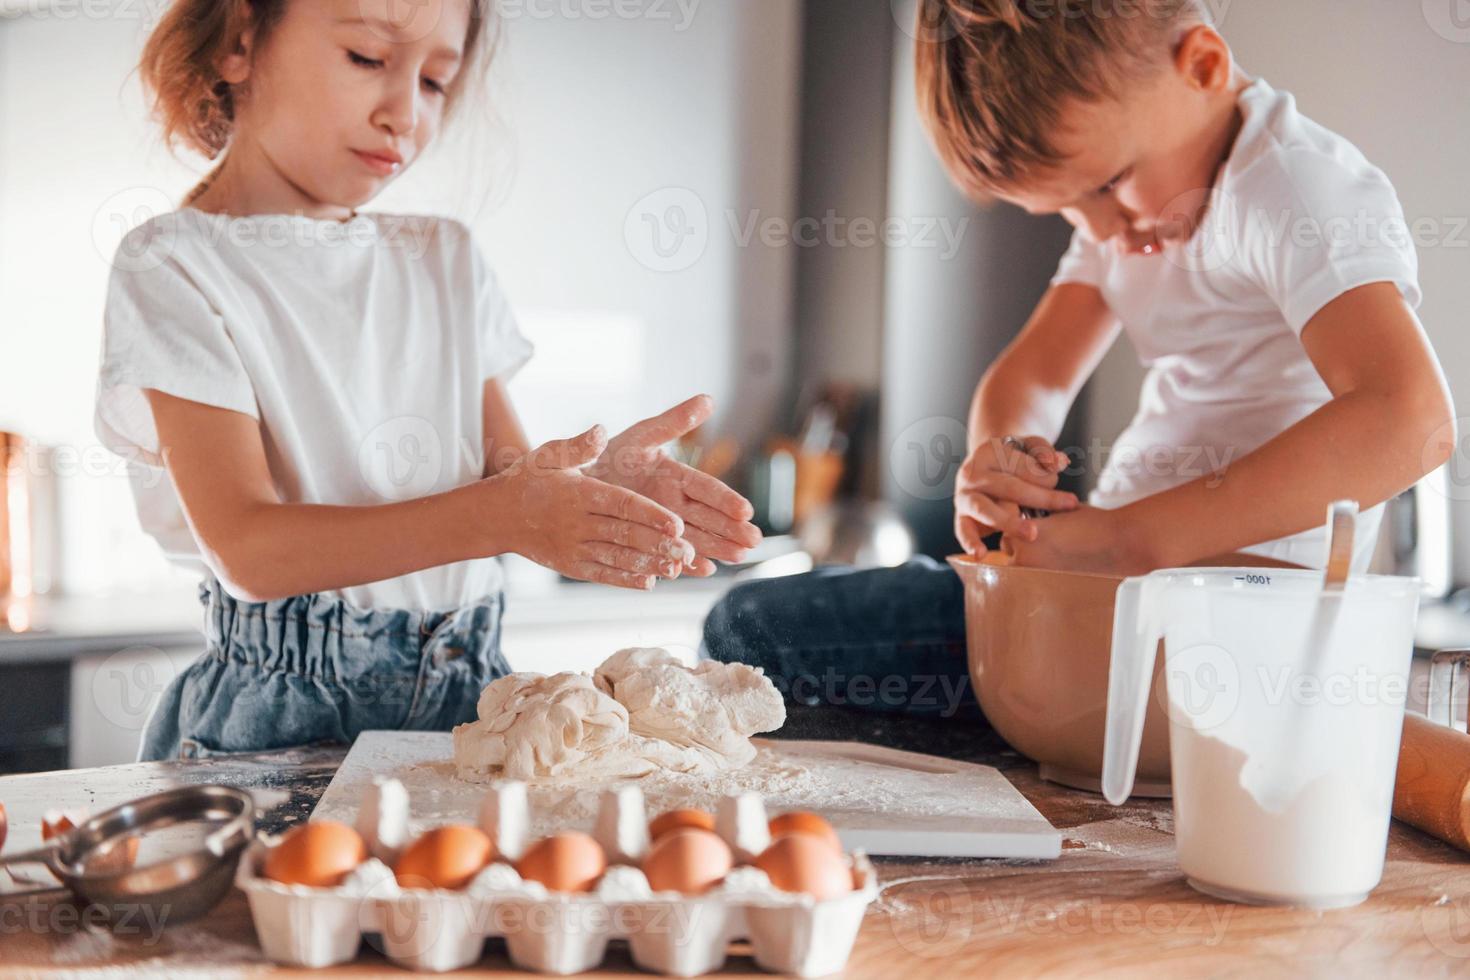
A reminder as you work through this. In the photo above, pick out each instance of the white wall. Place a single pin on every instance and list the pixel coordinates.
(1377, 72)
(593, 115)
(601, 120)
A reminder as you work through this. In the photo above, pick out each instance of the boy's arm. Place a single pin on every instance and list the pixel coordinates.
(1031, 387)
(1027, 393)
(1389, 423)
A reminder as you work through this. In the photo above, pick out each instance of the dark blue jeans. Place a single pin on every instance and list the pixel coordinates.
(887, 639)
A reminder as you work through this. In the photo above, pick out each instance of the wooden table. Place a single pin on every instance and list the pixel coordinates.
(1114, 904)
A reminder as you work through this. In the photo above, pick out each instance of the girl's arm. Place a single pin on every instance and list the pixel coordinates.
(505, 439)
(541, 507)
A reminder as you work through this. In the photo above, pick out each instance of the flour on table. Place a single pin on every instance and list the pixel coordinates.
(640, 712)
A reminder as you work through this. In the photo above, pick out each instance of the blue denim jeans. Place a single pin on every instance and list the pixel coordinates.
(886, 639)
(316, 669)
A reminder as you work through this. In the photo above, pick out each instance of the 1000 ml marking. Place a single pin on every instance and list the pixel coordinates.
(1254, 579)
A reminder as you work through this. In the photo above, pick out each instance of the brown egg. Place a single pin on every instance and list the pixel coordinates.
(690, 861)
(806, 864)
(446, 857)
(564, 862)
(318, 855)
(680, 820)
(998, 558)
(804, 822)
(4, 826)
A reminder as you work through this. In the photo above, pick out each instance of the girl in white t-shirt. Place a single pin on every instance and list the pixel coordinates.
(325, 390)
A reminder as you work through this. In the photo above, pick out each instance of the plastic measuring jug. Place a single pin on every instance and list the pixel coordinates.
(1284, 724)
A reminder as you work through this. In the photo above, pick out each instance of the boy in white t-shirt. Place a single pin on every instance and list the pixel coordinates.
(1262, 269)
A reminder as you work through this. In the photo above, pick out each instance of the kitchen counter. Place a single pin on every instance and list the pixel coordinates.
(1114, 902)
(64, 628)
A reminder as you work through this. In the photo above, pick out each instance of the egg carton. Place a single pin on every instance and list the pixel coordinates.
(436, 930)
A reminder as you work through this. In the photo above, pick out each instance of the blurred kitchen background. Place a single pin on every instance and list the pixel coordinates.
(732, 196)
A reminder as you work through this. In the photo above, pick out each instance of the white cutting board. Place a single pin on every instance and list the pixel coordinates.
(880, 800)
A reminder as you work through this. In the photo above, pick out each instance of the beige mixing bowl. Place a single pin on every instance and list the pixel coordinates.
(1039, 646)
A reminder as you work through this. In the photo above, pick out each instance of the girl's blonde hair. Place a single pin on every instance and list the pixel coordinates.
(179, 65)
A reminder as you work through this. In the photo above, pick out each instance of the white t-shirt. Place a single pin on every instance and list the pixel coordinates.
(1298, 217)
(362, 348)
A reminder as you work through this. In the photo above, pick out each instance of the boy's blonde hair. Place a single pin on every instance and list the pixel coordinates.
(994, 76)
(179, 65)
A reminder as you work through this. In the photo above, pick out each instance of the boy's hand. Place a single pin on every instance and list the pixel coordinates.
(1089, 539)
(997, 480)
(582, 527)
(717, 519)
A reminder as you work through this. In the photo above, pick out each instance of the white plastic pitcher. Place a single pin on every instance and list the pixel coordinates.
(1285, 711)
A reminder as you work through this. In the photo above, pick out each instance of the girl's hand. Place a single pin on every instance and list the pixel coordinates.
(582, 527)
(717, 518)
(997, 480)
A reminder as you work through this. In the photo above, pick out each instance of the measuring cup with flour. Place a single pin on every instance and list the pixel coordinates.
(1247, 666)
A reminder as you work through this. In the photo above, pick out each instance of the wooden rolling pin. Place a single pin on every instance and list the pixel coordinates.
(1432, 791)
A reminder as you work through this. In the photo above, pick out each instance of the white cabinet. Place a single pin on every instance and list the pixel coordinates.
(112, 696)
